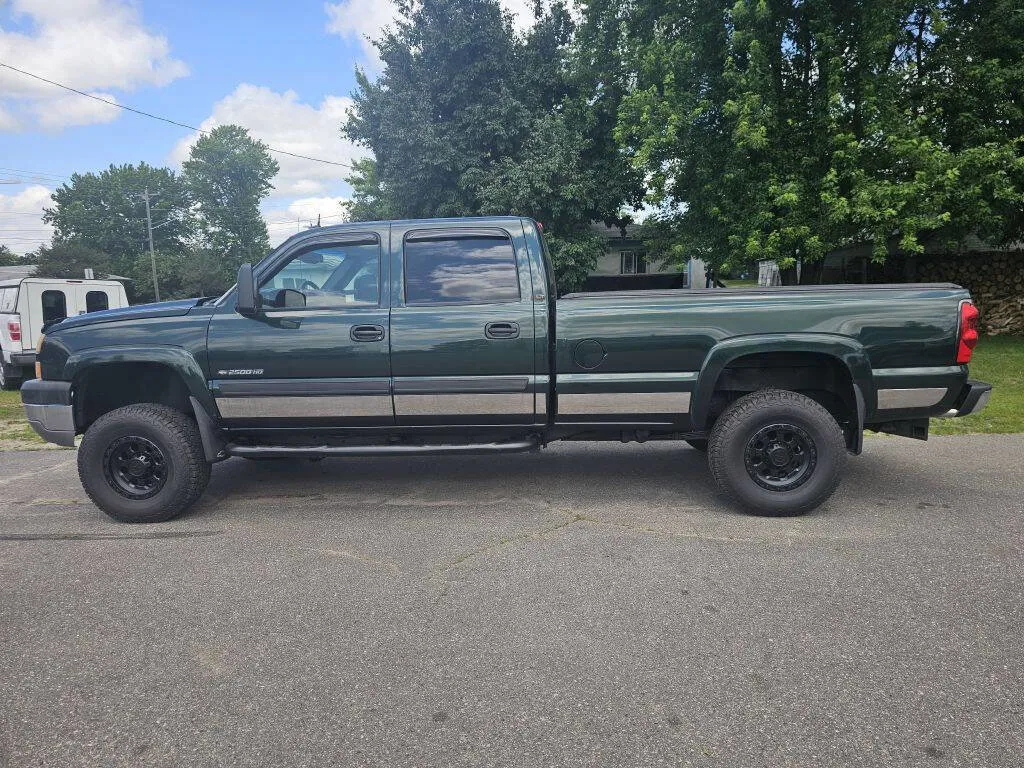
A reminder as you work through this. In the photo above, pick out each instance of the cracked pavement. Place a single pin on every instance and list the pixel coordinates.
(593, 604)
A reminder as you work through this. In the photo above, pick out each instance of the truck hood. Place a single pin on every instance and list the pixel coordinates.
(140, 312)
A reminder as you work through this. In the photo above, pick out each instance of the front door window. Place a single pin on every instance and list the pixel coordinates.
(334, 276)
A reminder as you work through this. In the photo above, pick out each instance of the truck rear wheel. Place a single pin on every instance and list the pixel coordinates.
(777, 452)
(143, 463)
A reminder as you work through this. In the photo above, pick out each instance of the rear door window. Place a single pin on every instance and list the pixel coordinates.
(96, 301)
(55, 306)
(455, 269)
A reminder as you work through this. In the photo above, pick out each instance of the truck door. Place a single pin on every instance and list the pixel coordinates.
(317, 352)
(462, 331)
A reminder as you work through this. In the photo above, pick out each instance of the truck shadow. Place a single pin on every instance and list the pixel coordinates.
(564, 475)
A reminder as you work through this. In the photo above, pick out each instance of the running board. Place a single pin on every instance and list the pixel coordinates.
(284, 451)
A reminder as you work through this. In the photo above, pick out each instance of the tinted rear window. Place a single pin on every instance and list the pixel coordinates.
(55, 306)
(96, 301)
(461, 270)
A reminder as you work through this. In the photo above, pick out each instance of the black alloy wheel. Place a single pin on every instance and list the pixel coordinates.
(135, 467)
(780, 457)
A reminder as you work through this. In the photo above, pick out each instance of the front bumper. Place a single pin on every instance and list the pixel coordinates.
(49, 410)
(973, 398)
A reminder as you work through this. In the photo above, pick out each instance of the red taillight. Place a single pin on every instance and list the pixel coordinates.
(14, 329)
(968, 332)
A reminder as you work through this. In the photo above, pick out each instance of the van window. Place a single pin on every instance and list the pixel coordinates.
(460, 270)
(55, 306)
(96, 301)
(9, 299)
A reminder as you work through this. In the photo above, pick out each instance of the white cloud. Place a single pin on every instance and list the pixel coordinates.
(284, 221)
(283, 122)
(8, 122)
(86, 44)
(21, 219)
(365, 20)
(71, 109)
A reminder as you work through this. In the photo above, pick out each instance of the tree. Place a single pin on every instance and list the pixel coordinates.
(783, 129)
(70, 260)
(469, 118)
(227, 174)
(8, 258)
(105, 213)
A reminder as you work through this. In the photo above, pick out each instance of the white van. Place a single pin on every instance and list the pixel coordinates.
(29, 303)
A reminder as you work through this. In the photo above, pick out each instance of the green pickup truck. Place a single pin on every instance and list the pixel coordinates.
(446, 336)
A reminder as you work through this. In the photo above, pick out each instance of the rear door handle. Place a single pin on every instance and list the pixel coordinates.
(367, 333)
(501, 330)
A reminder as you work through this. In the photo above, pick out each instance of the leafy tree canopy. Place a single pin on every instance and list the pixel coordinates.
(782, 129)
(9, 258)
(70, 260)
(469, 118)
(105, 212)
(227, 174)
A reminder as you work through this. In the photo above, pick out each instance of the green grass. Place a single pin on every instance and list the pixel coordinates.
(998, 360)
(737, 283)
(14, 430)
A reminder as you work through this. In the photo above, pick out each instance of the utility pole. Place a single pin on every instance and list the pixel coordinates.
(152, 255)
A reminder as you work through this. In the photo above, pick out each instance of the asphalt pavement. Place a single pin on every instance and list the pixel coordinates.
(593, 605)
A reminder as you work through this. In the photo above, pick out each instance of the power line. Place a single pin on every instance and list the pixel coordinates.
(40, 174)
(158, 117)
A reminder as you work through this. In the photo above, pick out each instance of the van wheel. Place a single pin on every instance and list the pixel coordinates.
(6, 381)
(143, 463)
(777, 452)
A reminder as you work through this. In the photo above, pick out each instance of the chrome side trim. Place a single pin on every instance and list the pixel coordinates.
(299, 387)
(623, 403)
(934, 370)
(646, 377)
(923, 397)
(464, 404)
(437, 385)
(305, 407)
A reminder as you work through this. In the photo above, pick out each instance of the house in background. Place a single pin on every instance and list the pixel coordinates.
(627, 265)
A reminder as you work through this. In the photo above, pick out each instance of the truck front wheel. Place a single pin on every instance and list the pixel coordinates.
(777, 452)
(143, 463)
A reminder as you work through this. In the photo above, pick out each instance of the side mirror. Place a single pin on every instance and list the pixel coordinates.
(248, 299)
(289, 298)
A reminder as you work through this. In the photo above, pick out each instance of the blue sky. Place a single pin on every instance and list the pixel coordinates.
(282, 70)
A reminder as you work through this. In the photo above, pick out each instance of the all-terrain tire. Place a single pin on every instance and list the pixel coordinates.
(179, 451)
(8, 377)
(742, 437)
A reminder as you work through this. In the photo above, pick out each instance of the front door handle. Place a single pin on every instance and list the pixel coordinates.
(501, 330)
(367, 333)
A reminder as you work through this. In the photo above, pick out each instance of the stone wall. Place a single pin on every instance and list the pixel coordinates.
(994, 278)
